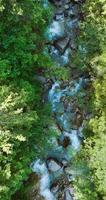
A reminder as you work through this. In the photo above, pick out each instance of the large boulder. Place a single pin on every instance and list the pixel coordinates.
(53, 165)
(62, 44)
(67, 195)
(63, 140)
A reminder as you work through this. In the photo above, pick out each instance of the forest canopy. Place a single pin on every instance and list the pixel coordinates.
(22, 26)
(24, 120)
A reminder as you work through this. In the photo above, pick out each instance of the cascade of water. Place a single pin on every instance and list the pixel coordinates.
(41, 169)
(55, 30)
(59, 59)
(73, 135)
(59, 28)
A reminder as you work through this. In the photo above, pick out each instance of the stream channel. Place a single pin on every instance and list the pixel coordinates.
(55, 179)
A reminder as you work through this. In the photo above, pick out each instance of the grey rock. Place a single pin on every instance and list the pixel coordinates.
(62, 44)
(55, 188)
(67, 1)
(59, 16)
(67, 195)
(53, 165)
(67, 6)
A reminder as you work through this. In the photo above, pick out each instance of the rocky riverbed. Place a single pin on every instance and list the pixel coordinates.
(55, 176)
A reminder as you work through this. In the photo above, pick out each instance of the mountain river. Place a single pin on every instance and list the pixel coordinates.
(55, 181)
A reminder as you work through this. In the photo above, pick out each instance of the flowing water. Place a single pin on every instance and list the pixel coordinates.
(61, 31)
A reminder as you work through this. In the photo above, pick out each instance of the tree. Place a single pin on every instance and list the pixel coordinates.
(22, 125)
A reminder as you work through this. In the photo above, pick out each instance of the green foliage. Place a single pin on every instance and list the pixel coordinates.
(93, 33)
(83, 184)
(59, 73)
(23, 132)
(13, 138)
(91, 55)
(96, 146)
(24, 119)
(22, 37)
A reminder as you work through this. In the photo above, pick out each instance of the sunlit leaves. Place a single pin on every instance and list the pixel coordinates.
(23, 123)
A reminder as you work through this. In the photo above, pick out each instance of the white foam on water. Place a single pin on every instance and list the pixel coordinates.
(64, 120)
(55, 30)
(41, 169)
(60, 60)
(65, 57)
(75, 142)
(78, 85)
(54, 95)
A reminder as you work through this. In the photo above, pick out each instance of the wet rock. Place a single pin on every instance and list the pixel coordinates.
(73, 45)
(79, 119)
(79, 1)
(66, 6)
(59, 16)
(59, 127)
(69, 171)
(67, 1)
(55, 188)
(65, 163)
(67, 195)
(53, 166)
(62, 44)
(75, 10)
(63, 141)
